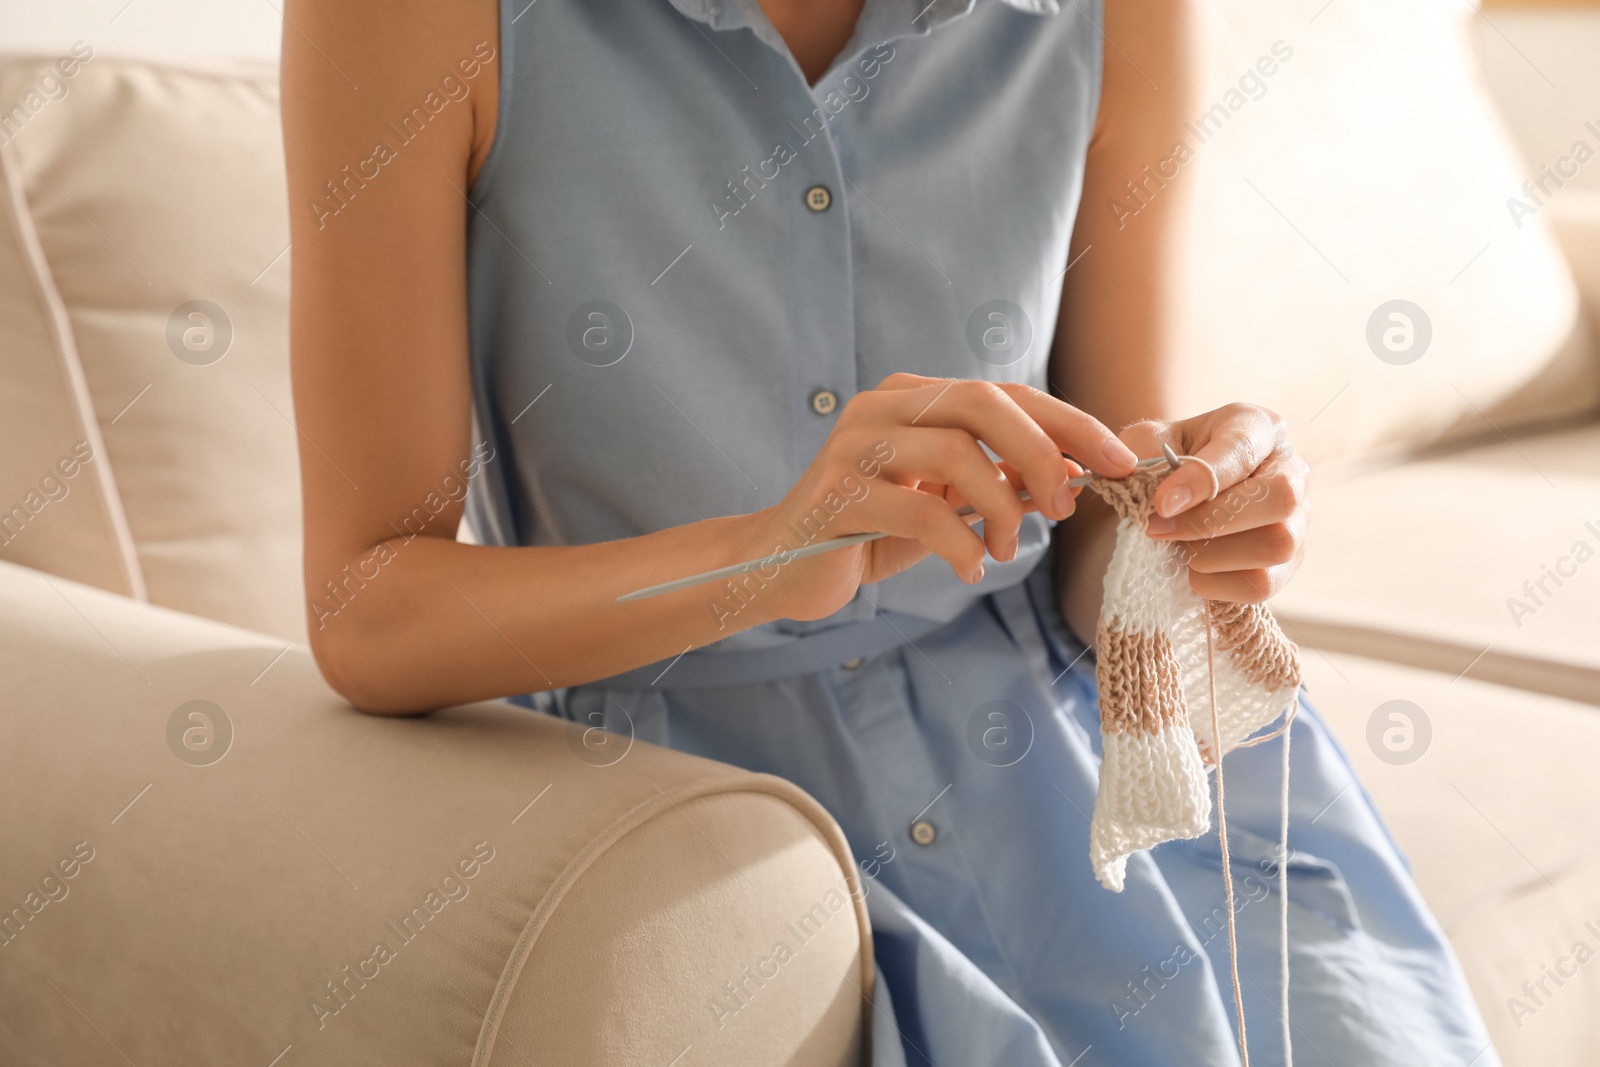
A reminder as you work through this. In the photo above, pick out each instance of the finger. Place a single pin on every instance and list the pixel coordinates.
(906, 380)
(1031, 505)
(1260, 549)
(954, 458)
(988, 412)
(931, 521)
(1242, 587)
(1146, 437)
(1084, 437)
(1260, 500)
(1245, 438)
(952, 496)
(983, 410)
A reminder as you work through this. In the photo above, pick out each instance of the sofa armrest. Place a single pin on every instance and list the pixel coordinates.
(272, 874)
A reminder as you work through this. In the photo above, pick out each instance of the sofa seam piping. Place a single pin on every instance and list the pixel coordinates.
(627, 823)
(71, 365)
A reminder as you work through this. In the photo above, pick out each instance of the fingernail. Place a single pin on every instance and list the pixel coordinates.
(1159, 525)
(976, 576)
(1176, 501)
(1120, 454)
(1064, 500)
(1016, 542)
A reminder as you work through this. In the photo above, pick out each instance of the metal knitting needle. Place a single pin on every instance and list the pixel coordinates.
(781, 558)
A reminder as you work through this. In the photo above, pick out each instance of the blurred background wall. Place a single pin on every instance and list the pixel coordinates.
(154, 29)
(1538, 56)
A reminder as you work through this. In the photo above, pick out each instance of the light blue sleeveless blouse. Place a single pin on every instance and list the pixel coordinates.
(649, 268)
(682, 260)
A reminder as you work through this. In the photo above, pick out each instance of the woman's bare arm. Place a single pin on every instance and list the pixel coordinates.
(382, 399)
(382, 393)
(1121, 344)
(1121, 333)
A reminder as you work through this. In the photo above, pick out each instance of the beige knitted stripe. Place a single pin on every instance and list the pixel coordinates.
(1141, 688)
(1250, 636)
(1246, 632)
(1129, 497)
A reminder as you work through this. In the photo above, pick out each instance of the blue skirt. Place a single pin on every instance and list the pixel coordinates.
(962, 766)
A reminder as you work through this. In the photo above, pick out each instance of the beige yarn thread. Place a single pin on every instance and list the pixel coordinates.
(1144, 708)
(1222, 840)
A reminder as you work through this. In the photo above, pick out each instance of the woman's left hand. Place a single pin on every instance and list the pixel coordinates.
(1243, 543)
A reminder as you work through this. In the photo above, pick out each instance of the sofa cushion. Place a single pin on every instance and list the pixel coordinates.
(270, 868)
(1575, 218)
(1485, 560)
(1538, 64)
(59, 509)
(1496, 818)
(1523, 53)
(143, 299)
(1367, 166)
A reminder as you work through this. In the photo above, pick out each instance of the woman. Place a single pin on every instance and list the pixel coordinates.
(680, 282)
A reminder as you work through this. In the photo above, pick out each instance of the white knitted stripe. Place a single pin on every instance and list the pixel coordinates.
(1139, 587)
(1152, 789)
(1242, 706)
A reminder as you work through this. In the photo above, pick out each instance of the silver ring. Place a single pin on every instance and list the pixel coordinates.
(1177, 461)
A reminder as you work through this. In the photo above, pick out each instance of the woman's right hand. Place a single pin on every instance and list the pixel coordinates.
(903, 457)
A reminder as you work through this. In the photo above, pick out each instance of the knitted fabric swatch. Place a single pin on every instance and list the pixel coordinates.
(1155, 687)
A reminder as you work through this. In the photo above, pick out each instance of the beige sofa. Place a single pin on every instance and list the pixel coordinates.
(209, 882)
(208, 857)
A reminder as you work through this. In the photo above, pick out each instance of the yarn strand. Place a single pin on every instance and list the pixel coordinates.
(1281, 731)
(1156, 742)
(1222, 838)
